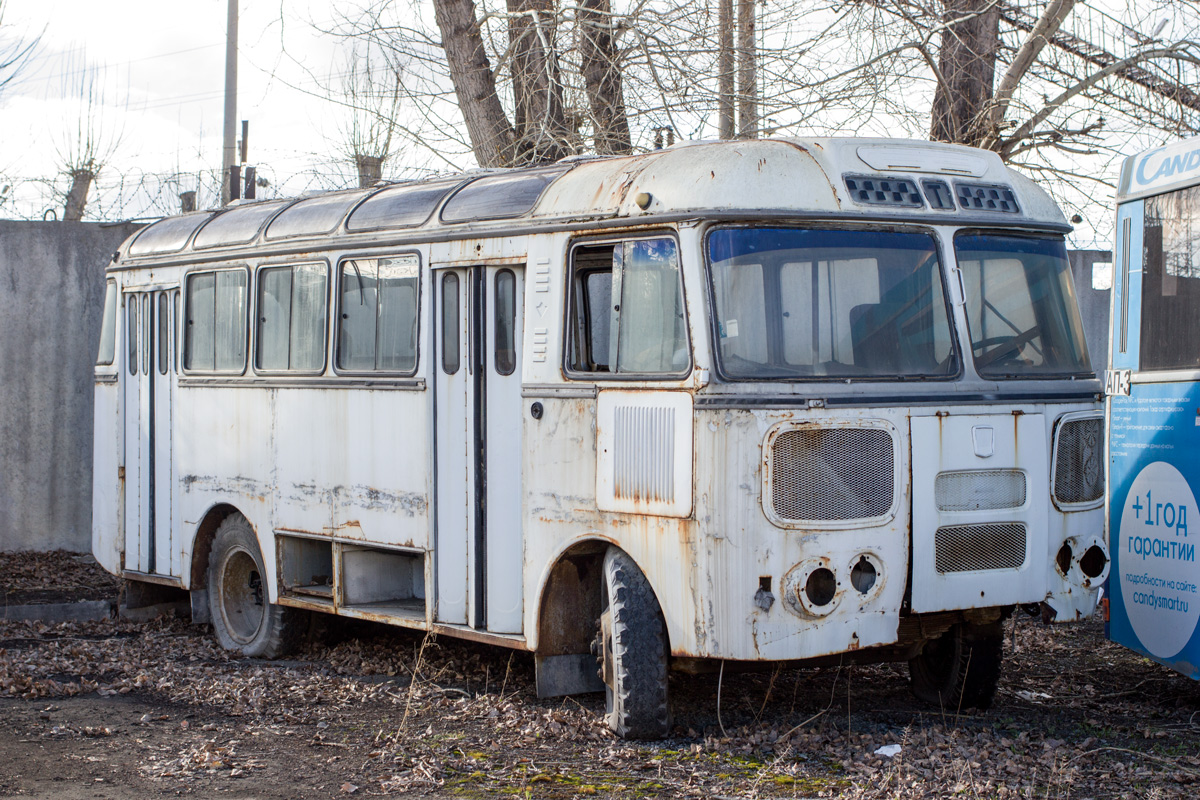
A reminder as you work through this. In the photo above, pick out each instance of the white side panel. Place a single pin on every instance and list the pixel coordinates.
(380, 442)
(106, 486)
(455, 475)
(305, 461)
(978, 445)
(505, 427)
(644, 452)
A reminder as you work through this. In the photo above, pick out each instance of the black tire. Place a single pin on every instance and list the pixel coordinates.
(634, 658)
(242, 618)
(960, 668)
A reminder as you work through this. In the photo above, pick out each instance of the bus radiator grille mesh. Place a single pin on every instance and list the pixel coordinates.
(968, 548)
(832, 474)
(1078, 461)
(979, 490)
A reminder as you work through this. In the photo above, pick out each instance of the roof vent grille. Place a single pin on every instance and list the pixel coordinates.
(986, 197)
(875, 191)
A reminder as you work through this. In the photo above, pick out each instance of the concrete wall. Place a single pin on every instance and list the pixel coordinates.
(51, 300)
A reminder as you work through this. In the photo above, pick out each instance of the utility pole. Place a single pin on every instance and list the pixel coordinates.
(230, 152)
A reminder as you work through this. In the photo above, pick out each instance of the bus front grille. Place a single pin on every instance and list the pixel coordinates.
(968, 548)
(827, 474)
(1078, 461)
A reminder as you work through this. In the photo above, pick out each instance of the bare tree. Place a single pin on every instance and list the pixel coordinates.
(966, 70)
(491, 132)
(15, 52)
(602, 77)
(541, 126)
(371, 95)
(89, 140)
(1059, 87)
(747, 71)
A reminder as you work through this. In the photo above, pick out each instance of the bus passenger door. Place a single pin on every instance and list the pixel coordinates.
(149, 388)
(503, 424)
(454, 436)
(479, 548)
(137, 436)
(165, 558)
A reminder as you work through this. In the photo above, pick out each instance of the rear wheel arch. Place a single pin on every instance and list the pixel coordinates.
(243, 617)
(202, 543)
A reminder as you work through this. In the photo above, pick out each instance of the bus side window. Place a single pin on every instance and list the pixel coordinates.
(291, 318)
(108, 329)
(377, 320)
(215, 328)
(131, 307)
(450, 346)
(164, 334)
(627, 314)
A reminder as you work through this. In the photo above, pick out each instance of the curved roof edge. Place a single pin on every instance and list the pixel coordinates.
(808, 176)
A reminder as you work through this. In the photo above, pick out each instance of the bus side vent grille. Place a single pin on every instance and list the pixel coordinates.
(644, 454)
(979, 490)
(1078, 461)
(967, 548)
(832, 474)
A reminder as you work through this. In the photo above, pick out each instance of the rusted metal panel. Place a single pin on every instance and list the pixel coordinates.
(974, 440)
(644, 452)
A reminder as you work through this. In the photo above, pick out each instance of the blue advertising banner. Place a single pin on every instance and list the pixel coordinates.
(1154, 523)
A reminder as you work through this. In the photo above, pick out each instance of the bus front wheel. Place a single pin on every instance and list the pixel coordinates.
(960, 668)
(633, 636)
(243, 619)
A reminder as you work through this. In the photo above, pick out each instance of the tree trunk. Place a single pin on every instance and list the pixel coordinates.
(602, 78)
(967, 64)
(1049, 23)
(541, 128)
(747, 68)
(370, 170)
(488, 127)
(725, 88)
(81, 183)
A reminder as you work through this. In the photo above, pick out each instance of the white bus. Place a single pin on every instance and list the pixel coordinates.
(751, 401)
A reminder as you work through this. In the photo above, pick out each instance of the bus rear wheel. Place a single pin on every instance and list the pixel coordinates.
(243, 619)
(633, 637)
(960, 668)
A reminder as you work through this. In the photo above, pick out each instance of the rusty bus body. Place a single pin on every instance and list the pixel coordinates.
(796, 399)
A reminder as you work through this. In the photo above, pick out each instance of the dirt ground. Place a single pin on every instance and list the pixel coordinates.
(116, 709)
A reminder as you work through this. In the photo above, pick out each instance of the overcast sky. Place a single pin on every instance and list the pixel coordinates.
(162, 75)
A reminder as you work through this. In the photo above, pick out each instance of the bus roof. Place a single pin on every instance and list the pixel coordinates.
(1162, 169)
(914, 181)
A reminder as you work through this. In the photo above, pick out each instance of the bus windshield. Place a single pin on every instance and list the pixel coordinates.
(810, 304)
(1021, 307)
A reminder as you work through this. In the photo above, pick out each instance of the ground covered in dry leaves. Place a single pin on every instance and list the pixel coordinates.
(117, 709)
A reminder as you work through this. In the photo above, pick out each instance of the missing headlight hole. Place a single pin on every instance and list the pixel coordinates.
(1063, 559)
(821, 587)
(863, 575)
(1093, 562)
